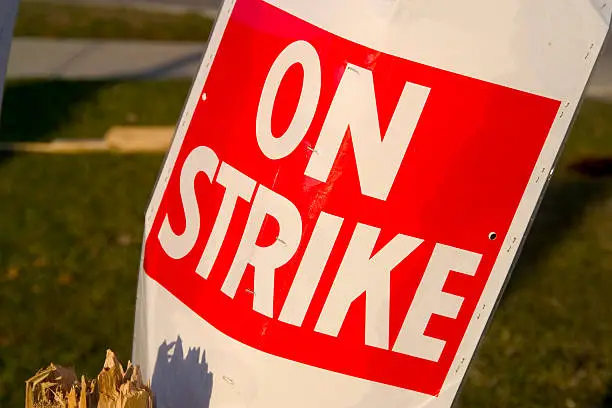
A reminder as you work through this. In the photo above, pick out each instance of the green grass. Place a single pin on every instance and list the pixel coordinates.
(42, 19)
(71, 233)
(46, 110)
(550, 343)
(69, 251)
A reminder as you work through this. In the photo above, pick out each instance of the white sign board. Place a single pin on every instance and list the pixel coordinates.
(8, 15)
(348, 188)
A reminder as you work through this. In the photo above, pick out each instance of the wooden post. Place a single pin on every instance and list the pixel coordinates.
(8, 15)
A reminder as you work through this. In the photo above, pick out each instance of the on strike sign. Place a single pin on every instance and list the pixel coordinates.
(336, 210)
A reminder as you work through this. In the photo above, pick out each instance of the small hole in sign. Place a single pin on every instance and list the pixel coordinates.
(492, 236)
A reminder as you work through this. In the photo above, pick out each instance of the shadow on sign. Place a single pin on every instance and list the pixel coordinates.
(181, 380)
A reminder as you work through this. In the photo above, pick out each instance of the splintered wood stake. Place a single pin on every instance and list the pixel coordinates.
(58, 387)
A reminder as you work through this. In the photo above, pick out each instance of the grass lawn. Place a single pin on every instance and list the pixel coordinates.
(550, 343)
(46, 110)
(42, 19)
(71, 235)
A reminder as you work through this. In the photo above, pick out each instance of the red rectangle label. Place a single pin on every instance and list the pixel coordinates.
(341, 207)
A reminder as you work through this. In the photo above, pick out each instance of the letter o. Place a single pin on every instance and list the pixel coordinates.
(299, 52)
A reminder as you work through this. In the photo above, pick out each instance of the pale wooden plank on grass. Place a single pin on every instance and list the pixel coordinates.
(121, 139)
(139, 138)
(56, 146)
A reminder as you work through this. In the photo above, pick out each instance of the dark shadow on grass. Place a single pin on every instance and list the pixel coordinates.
(32, 110)
(6, 156)
(607, 399)
(595, 168)
(562, 209)
(181, 380)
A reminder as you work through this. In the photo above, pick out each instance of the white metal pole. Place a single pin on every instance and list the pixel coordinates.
(8, 15)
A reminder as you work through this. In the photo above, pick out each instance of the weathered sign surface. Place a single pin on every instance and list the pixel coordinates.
(347, 190)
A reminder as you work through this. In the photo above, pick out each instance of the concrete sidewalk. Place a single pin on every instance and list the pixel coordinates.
(209, 8)
(95, 59)
(102, 59)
